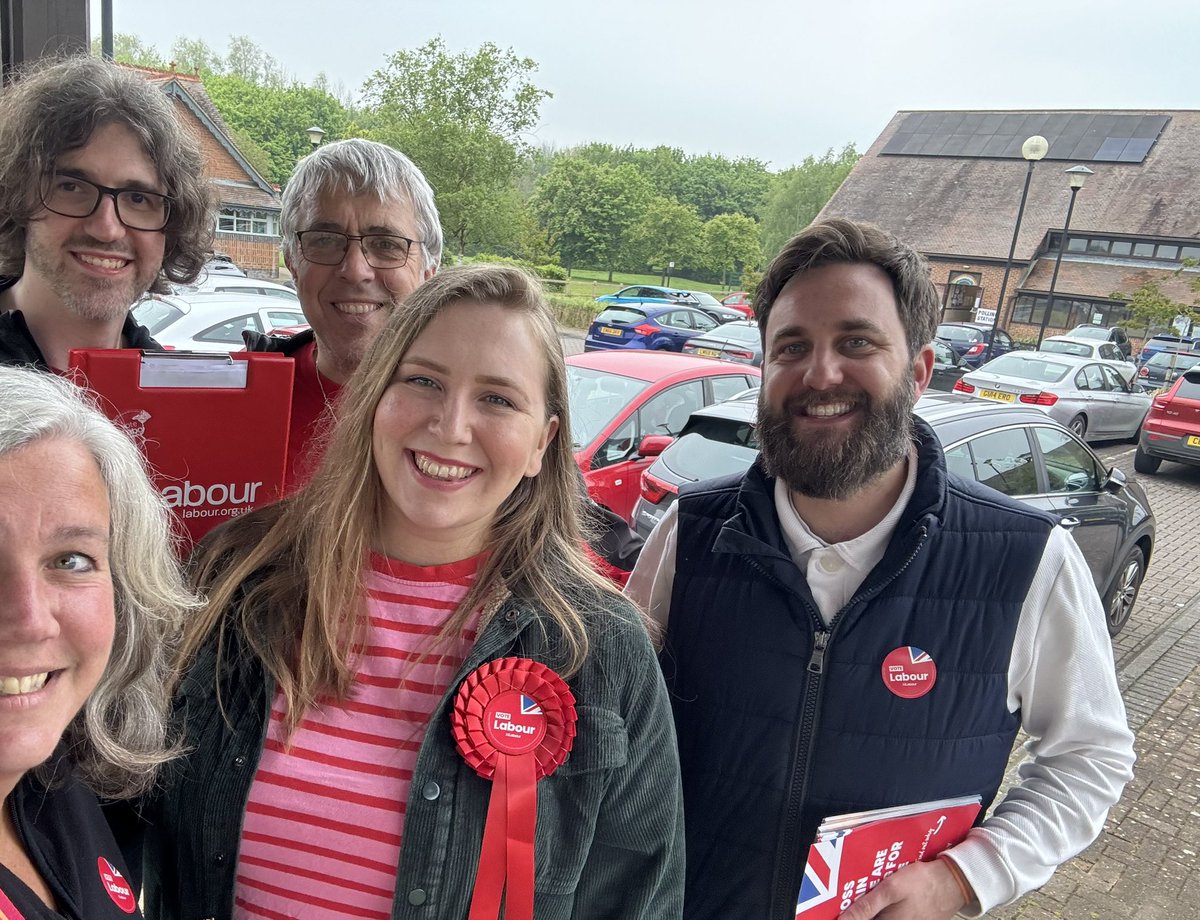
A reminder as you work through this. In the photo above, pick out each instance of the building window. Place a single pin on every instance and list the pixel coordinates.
(1031, 309)
(243, 220)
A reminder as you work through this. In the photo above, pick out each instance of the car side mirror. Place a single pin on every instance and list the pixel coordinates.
(1116, 480)
(654, 444)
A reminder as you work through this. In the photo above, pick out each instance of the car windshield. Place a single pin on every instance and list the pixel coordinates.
(595, 398)
(1090, 332)
(156, 315)
(707, 299)
(959, 334)
(1165, 359)
(621, 316)
(696, 457)
(1028, 368)
(1067, 348)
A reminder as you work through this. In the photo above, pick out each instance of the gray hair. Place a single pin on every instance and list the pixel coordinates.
(360, 167)
(121, 736)
(55, 107)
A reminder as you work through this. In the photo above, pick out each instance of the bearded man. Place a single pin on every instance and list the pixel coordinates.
(102, 198)
(785, 592)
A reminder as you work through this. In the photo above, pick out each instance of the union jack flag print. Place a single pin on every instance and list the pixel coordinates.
(919, 656)
(820, 883)
(529, 706)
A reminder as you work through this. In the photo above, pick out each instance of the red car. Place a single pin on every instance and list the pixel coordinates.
(740, 301)
(626, 406)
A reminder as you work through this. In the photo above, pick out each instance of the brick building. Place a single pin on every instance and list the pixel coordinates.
(949, 183)
(248, 219)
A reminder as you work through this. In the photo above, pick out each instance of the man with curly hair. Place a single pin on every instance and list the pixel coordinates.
(102, 198)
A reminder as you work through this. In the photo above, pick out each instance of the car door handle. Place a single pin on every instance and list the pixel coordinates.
(1070, 522)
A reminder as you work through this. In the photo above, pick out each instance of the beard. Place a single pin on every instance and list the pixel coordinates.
(835, 465)
(94, 299)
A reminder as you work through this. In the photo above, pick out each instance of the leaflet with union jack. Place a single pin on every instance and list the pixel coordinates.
(854, 853)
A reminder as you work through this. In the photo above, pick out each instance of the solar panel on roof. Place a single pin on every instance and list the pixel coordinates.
(1078, 136)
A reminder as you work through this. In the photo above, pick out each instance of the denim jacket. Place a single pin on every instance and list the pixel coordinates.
(609, 824)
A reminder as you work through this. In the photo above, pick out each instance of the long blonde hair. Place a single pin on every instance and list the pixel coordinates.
(295, 592)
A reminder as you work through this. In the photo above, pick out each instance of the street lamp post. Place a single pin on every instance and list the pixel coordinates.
(1032, 150)
(1076, 175)
(314, 136)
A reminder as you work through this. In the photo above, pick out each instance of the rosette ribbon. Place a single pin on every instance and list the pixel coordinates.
(513, 723)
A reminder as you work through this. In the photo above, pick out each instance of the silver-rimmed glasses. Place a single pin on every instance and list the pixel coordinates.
(329, 247)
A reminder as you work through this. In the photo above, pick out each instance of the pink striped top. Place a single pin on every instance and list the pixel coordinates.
(324, 820)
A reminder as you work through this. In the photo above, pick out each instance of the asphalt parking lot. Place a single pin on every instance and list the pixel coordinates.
(1146, 863)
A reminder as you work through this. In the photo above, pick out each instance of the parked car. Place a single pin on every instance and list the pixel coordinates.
(1014, 449)
(1114, 334)
(213, 322)
(714, 308)
(1172, 429)
(970, 340)
(1106, 352)
(1165, 366)
(740, 300)
(648, 293)
(1165, 341)
(222, 265)
(221, 283)
(738, 341)
(1090, 398)
(948, 367)
(646, 327)
(627, 406)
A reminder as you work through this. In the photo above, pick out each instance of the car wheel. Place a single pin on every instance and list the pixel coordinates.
(1078, 426)
(1123, 594)
(1145, 463)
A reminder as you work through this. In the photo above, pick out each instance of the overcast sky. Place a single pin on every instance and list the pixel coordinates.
(772, 79)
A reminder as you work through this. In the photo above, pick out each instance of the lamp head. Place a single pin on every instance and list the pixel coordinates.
(1035, 147)
(1077, 175)
(314, 136)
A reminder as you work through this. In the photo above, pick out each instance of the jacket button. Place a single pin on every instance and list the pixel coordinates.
(219, 859)
(417, 897)
(511, 616)
(431, 790)
(240, 760)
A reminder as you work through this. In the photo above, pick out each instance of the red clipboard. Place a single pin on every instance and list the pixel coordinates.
(213, 428)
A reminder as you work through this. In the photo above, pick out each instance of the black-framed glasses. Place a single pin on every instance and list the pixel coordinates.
(136, 208)
(329, 247)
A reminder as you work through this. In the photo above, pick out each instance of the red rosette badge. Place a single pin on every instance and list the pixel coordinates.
(513, 723)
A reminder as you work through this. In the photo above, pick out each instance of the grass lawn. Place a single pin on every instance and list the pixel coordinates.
(594, 283)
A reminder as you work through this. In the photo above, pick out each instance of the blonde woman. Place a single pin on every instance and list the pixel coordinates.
(440, 533)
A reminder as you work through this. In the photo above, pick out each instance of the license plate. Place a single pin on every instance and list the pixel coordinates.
(1193, 441)
(998, 396)
(708, 352)
(609, 330)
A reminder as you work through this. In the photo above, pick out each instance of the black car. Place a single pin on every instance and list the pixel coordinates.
(1017, 450)
(970, 340)
(948, 367)
(1164, 366)
(739, 341)
(1114, 334)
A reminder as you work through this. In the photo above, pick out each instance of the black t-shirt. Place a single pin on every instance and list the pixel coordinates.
(69, 842)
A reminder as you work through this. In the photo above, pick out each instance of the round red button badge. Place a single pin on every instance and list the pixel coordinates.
(114, 883)
(909, 672)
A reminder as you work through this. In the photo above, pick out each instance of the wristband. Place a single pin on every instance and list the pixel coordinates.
(964, 887)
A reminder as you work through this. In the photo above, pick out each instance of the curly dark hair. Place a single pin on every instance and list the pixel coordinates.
(54, 107)
(838, 240)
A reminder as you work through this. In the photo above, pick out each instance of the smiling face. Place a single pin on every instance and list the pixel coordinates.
(56, 597)
(462, 422)
(347, 304)
(96, 267)
(838, 382)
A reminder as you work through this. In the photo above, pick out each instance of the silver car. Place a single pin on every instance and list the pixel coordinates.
(1090, 397)
(213, 322)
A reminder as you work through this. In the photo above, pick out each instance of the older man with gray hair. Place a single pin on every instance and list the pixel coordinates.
(360, 233)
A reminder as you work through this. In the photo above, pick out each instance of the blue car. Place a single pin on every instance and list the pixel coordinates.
(646, 327)
(649, 293)
(970, 341)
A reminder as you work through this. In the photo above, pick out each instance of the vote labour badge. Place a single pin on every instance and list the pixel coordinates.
(513, 723)
(909, 672)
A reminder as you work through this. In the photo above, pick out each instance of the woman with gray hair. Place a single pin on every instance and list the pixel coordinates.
(91, 602)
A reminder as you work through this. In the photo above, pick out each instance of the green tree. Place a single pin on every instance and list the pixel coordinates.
(1151, 308)
(732, 241)
(129, 49)
(462, 119)
(667, 232)
(275, 119)
(247, 60)
(590, 210)
(714, 185)
(193, 55)
(798, 194)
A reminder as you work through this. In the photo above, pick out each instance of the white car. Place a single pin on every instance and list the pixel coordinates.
(213, 322)
(1104, 352)
(216, 282)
